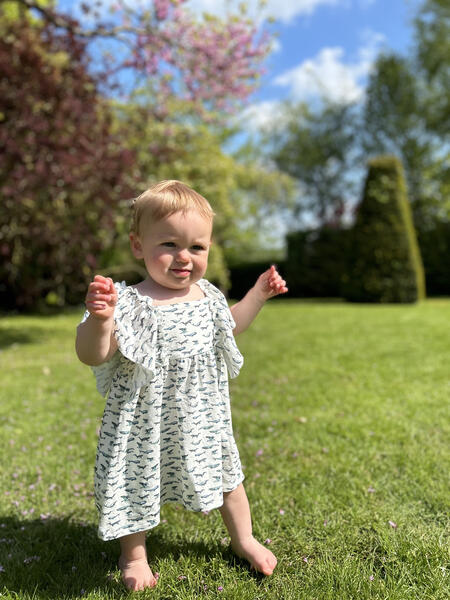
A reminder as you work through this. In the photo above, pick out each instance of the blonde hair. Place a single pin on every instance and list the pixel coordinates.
(164, 199)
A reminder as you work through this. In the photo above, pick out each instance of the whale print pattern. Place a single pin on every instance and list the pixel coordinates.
(166, 433)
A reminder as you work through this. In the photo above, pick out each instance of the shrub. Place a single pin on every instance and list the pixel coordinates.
(385, 262)
(61, 169)
(316, 262)
(434, 246)
(244, 276)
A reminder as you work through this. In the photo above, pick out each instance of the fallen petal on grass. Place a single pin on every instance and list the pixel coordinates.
(393, 524)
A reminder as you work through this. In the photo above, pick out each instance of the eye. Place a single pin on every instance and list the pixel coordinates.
(168, 244)
(198, 247)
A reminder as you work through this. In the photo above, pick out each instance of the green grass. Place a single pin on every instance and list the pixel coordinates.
(341, 416)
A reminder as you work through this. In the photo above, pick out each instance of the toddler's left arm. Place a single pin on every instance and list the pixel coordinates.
(268, 285)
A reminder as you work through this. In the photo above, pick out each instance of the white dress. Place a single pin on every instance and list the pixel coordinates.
(166, 433)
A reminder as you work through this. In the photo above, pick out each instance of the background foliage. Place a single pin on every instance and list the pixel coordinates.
(386, 265)
(57, 210)
(115, 103)
(71, 156)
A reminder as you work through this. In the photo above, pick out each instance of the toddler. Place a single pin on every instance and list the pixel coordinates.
(162, 351)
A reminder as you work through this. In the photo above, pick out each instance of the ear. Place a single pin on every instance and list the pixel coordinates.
(136, 246)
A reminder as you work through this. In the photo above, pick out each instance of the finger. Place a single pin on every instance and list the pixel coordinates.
(96, 307)
(98, 297)
(101, 279)
(276, 281)
(98, 288)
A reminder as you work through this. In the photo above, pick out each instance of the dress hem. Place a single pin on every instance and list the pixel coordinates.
(141, 528)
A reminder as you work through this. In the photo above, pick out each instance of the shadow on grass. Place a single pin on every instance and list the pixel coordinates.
(59, 559)
(53, 559)
(21, 335)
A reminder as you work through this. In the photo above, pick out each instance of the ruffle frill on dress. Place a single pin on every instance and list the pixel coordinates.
(139, 344)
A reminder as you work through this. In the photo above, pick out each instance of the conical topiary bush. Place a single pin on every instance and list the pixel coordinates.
(385, 263)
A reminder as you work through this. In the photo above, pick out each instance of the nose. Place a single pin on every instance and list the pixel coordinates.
(182, 256)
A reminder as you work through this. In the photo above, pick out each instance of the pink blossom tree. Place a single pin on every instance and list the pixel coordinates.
(211, 63)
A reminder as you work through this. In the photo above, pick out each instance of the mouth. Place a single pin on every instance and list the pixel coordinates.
(181, 272)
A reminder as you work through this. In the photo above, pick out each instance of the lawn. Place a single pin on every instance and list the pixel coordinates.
(341, 415)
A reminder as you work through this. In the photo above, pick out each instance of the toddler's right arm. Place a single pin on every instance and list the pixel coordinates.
(95, 343)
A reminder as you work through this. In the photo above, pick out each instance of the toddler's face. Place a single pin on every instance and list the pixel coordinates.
(175, 249)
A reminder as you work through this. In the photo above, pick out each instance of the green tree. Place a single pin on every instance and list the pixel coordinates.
(407, 113)
(432, 37)
(318, 148)
(385, 260)
(394, 123)
(54, 128)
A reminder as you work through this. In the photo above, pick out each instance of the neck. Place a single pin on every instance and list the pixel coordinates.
(151, 288)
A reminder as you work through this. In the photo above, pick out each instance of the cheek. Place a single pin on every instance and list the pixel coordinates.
(159, 259)
(202, 262)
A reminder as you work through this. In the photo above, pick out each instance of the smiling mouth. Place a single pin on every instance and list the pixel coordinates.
(183, 272)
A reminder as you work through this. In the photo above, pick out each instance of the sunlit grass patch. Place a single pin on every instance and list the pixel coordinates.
(341, 418)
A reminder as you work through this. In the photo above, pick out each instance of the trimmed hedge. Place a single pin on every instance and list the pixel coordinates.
(385, 261)
(435, 249)
(316, 262)
(244, 276)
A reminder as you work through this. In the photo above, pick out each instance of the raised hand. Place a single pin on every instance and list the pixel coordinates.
(271, 284)
(101, 297)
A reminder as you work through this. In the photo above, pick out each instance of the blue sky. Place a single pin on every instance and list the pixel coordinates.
(331, 50)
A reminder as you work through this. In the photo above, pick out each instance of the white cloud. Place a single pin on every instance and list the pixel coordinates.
(260, 115)
(329, 76)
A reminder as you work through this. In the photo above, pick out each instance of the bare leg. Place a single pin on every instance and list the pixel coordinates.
(136, 573)
(236, 516)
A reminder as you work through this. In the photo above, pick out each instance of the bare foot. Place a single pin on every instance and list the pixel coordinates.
(258, 556)
(136, 574)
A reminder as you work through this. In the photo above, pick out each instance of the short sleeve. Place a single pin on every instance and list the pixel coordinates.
(136, 327)
(224, 324)
(135, 330)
